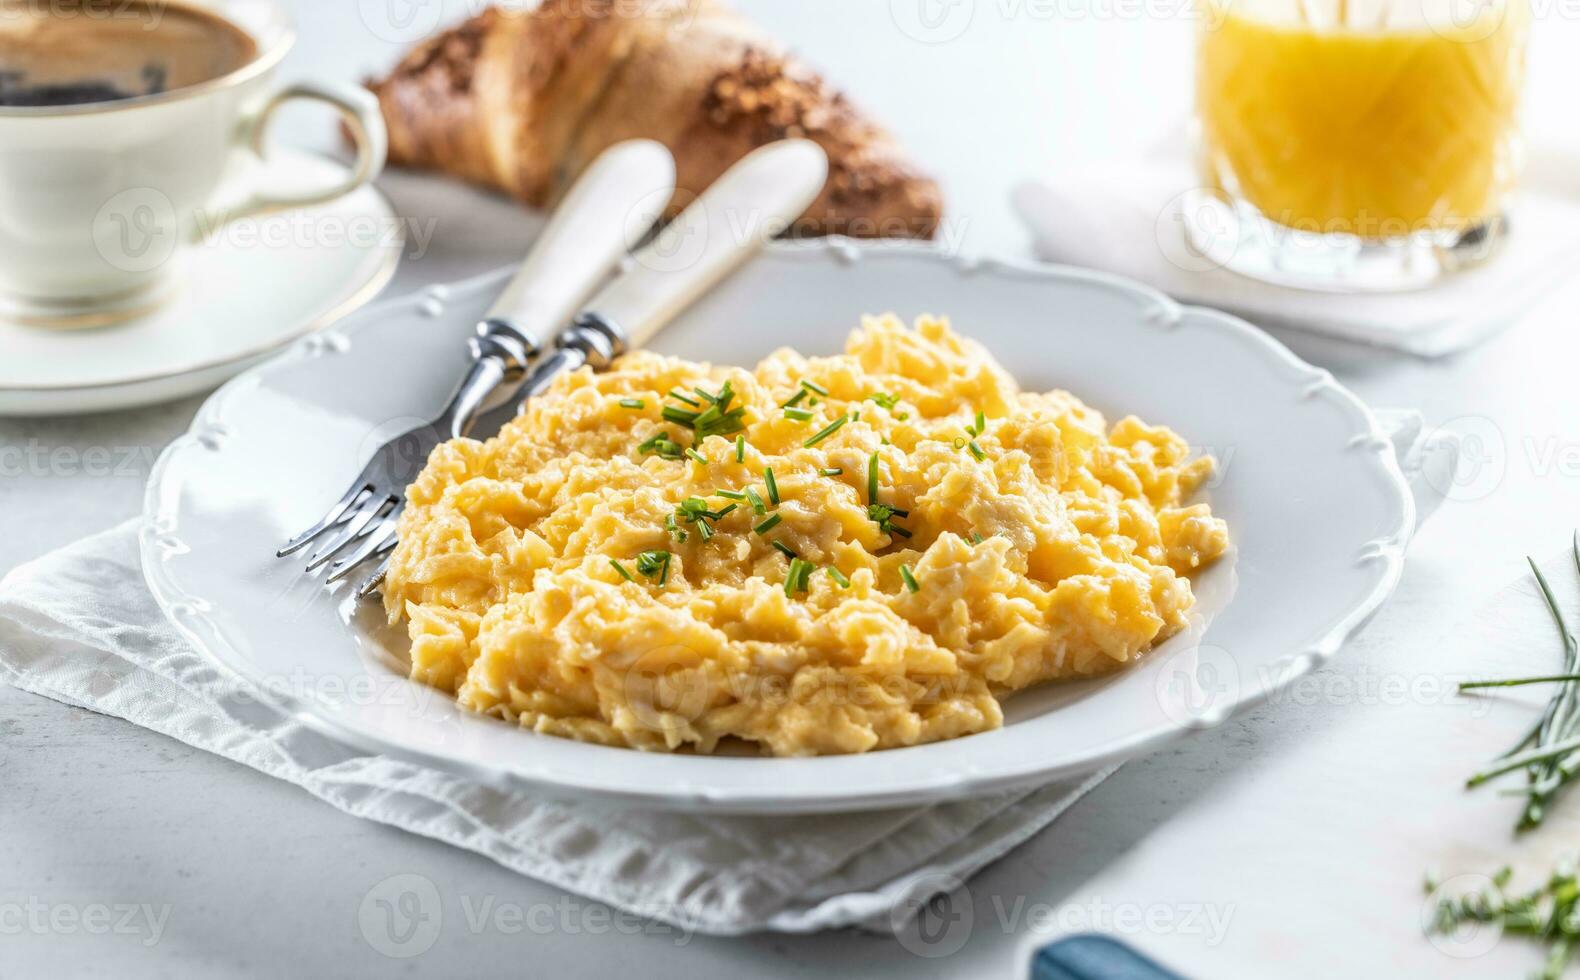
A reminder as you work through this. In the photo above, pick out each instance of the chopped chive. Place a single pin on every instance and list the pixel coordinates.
(796, 578)
(673, 528)
(980, 425)
(795, 399)
(814, 386)
(791, 575)
(839, 577)
(976, 538)
(769, 524)
(679, 416)
(884, 400)
(976, 450)
(872, 479)
(740, 449)
(697, 456)
(901, 416)
(798, 414)
(960, 442)
(831, 471)
(730, 494)
(856, 415)
(681, 396)
(756, 501)
(722, 514)
(783, 549)
(710, 399)
(632, 403)
(662, 445)
(651, 563)
(773, 485)
(718, 419)
(829, 430)
(703, 529)
(621, 569)
(910, 578)
(897, 529)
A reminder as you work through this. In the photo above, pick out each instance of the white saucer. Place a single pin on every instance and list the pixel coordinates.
(247, 290)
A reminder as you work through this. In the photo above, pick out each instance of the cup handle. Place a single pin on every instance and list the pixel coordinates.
(360, 110)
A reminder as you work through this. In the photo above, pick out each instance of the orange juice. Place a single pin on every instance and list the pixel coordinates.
(1370, 119)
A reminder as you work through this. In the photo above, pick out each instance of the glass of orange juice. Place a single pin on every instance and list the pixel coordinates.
(1356, 144)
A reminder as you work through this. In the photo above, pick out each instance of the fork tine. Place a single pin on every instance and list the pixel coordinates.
(370, 586)
(371, 542)
(374, 507)
(327, 521)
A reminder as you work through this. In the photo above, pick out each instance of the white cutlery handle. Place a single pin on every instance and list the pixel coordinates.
(758, 198)
(605, 214)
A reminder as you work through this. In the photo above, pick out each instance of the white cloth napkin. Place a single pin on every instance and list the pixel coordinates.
(1127, 219)
(80, 626)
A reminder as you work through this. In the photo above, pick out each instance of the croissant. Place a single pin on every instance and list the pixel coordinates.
(522, 100)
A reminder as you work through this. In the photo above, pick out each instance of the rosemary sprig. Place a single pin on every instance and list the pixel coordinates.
(1550, 752)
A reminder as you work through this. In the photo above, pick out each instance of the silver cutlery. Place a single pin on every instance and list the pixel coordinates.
(758, 198)
(599, 222)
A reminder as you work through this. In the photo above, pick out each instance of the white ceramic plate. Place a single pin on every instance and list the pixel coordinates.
(1315, 502)
(247, 290)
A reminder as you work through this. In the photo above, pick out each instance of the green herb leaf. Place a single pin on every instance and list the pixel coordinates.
(654, 564)
(884, 400)
(827, 431)
(910, 578)
(768, 525)
(635, 403)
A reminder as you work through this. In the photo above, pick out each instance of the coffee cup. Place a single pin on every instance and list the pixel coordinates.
(130, 129)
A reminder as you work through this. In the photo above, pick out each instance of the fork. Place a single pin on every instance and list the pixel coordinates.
(759, 197)
(602, 218)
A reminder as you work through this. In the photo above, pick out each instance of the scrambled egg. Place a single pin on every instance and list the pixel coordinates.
(811, 585)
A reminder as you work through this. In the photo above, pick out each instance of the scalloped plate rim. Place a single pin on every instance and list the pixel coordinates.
(156, 532)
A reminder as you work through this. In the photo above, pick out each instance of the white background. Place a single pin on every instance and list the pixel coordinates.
(1305, 826)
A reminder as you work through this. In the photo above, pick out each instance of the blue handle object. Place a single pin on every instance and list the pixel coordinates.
(1095, 957)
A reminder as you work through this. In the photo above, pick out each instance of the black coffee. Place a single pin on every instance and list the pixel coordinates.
(78, 52)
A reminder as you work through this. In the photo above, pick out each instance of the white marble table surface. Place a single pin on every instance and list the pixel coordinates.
(1285, 843)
